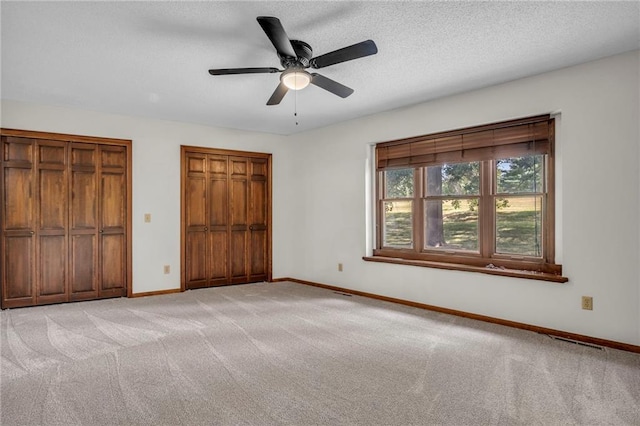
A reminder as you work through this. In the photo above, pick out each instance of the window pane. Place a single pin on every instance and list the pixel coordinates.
(519, 226)
(399, 183)
(452, 224)
(454, 179)
(398, 227)
(520, 174)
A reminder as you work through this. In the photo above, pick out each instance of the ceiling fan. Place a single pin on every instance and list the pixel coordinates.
(296, 56)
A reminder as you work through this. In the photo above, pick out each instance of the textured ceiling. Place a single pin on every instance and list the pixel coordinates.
(151, 58)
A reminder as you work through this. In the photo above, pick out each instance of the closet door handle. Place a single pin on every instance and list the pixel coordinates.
(206, 229)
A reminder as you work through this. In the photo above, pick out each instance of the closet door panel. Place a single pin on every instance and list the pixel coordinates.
(83, 155)
(258, 203)
(18, 271)
(218, 202)
(83, 266)
(113, 157)
(113, 199)
(113, 271)
(52, 153)
(52, 190)
(218, 166)
(219, 258)
(84, 204)
(238, 203)
(196, 206)
(17, 149)
(18, 199)
(258, 255)
(52, 275)
(237, 256)
(196, 268)
(113, 189)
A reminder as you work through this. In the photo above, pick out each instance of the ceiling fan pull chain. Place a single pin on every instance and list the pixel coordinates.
(295, 106)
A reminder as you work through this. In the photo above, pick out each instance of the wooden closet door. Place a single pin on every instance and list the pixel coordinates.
(18, 222)
(112, 246)
(257, 252)
(226, 217)
(65, 217)
(52, 221)
(218, 215)
(84, 226)
(239, 219)
(196, 229)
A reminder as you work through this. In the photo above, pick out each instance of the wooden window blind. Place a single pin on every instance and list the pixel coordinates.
(525, 136)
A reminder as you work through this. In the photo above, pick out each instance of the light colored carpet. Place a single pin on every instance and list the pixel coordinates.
(286, 353)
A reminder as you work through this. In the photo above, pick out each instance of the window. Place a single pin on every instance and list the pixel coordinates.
(477, 199)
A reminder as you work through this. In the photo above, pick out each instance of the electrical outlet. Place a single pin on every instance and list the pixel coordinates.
(587, 303)
(167, 269)
(147, 217)
(339, 267)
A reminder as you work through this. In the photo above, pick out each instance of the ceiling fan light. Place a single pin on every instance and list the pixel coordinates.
(296, 79)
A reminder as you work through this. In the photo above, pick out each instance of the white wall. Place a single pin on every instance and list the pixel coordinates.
(156, 179)
(598, 188)
(320, 202)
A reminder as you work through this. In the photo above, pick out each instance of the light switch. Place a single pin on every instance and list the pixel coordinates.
(147, 217)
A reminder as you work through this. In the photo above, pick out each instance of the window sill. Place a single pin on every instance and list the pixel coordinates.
(515, 273)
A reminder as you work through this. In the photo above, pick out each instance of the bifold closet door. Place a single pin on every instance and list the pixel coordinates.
(258, 215)
(18, 222)
(249, 202)
(84, 222)
(51, 221)
(207, 220)
(98, 221)
(64, 221)
(112, 223)
(217, 214)
(226, 219)
(34, 243)
(197, 238)
(238, 218)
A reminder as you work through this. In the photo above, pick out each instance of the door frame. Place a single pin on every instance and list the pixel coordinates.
(127, 143)
(184, 149)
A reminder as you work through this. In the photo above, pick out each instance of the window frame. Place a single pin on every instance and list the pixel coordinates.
(486, 259)
(382, 199)
(426, 197)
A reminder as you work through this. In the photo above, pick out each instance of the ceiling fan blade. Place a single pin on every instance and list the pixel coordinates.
(331, 86)
(274, 30)
(278, 94)
(355, 51)
(228, 71)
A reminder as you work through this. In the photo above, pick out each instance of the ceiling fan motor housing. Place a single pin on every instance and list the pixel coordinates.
(304, 52)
